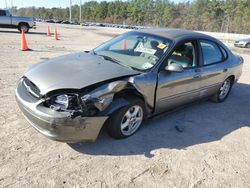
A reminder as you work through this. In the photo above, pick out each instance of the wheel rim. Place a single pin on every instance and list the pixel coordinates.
(24, 28)
(224, 90)
(131, 120)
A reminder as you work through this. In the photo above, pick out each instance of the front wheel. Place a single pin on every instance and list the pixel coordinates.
(248, 45)
(127, 120)
(224, 91)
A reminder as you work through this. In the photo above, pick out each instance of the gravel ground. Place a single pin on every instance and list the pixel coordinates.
(212, 151)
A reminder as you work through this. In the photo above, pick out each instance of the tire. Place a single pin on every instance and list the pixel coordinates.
(24, 27)
(248, 45)
(224, 91)
(125, 122)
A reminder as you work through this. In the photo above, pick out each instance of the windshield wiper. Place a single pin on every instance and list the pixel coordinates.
(112, 59)
(106, 57)
(109, 58)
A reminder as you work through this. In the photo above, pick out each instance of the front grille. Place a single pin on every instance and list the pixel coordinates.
(31, 88)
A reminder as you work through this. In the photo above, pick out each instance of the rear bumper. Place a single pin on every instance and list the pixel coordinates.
(59, 126)
(34, 26)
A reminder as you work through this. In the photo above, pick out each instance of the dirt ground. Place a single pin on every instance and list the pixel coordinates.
(213, 150)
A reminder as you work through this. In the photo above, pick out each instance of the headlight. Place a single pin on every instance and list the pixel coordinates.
(63, 102)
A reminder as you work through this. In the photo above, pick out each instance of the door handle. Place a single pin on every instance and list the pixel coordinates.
(197, 76)
(224, 70)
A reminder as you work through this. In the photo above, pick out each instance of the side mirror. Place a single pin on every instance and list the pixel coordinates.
(174, 67)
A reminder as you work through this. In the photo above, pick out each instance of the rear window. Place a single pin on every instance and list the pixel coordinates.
(224, 52)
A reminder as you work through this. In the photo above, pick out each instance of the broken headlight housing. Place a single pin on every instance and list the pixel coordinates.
(88, 104)
(63, 102)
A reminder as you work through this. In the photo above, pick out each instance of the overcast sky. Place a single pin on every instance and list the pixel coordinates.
(48, 3)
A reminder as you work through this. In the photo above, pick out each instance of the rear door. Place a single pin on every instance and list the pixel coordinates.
(214, 68)
(5, 19)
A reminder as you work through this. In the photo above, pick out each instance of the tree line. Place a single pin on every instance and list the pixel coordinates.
(205, 15)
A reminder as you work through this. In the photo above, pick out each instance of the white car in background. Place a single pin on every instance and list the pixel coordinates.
(243, 43)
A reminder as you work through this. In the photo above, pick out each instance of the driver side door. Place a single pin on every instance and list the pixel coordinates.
(177, 88)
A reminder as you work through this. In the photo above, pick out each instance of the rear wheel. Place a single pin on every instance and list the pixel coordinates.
(248, 45)
(224, 91)
(127, 120)
(23, 27)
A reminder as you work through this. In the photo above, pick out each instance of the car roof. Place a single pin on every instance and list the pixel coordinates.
(174, 34)
(181, 34)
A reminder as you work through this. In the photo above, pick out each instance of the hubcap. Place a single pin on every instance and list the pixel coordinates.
(24, 28)
(224, 89)
(132, 120)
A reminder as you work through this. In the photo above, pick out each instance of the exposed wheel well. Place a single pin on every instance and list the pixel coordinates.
(128, 93)
(232, 78)
(133, 93)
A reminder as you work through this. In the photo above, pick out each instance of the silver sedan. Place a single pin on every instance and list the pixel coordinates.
(244, 43)
(124, 81)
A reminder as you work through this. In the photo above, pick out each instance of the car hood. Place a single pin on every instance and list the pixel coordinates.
(74, 71)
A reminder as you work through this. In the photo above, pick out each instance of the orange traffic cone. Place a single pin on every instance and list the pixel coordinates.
(48, 32)
(124, 44)
(24, 45)
(56, 34)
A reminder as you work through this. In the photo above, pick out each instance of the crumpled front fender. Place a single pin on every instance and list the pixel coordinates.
(114, 106)
(102, 97)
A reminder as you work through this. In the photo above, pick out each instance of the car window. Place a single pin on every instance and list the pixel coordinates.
(224, 52)
(211, 52)
(184, 55)
(137, 50)
(128, 43)
(2, 13)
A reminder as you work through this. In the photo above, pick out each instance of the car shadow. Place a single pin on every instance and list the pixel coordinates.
(201, 123)
(30, 32)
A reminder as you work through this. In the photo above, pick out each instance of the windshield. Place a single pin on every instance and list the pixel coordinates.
(136, 50)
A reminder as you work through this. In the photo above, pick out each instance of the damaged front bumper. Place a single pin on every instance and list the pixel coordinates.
(60, 126)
